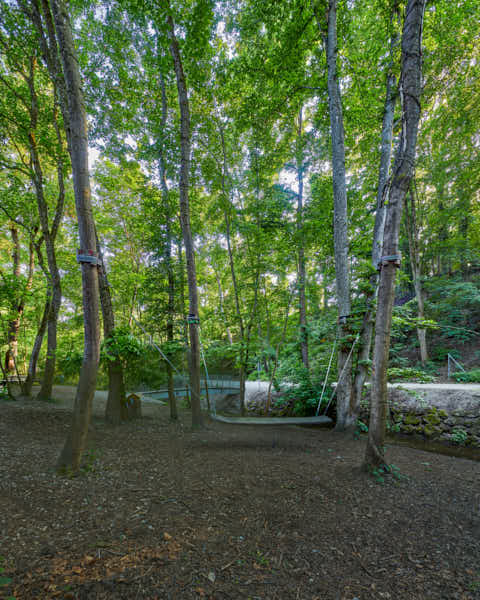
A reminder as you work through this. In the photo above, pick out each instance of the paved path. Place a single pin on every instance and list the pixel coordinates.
(467, 387)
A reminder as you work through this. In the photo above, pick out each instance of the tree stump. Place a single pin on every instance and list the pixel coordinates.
(131, 408)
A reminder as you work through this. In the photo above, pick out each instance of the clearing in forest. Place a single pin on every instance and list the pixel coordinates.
(228, 512)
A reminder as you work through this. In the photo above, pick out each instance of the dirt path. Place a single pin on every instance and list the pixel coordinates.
(228, 513)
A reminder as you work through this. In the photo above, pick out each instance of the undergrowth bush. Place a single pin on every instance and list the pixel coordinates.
(409, 374)
(472, 376)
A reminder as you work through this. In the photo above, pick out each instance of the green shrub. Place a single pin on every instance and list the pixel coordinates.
(440, 353)
(409, 374)
(472, 376)
(459, 436)
(69, 363)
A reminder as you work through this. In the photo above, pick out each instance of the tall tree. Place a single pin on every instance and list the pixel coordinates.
(301, 276)
(168, 248)
(366, 331)
(55, 34)
(49, 232)
(412, 227)
(345, 418)
(410, 86)
(193, 317)
(116, 384)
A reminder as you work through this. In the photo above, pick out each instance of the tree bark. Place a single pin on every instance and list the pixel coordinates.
(403, 170)
(221, 304)
(116, 384)
(194, 362)
(49, 234)
(76, 125)
(345, 420)
(172, 400)
(366, 332)
(416, 266)
(277, 356)
(16, 307)
(231, 262)
(301, 276)
(37, 346)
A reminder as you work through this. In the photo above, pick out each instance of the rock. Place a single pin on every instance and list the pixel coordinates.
(431, 430)
(436, 411)
(228, 404)
(411, 420)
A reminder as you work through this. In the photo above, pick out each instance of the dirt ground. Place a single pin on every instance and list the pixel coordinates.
(231, 512)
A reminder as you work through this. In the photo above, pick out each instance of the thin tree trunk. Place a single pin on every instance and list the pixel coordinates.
(245, 352)
(45, 392)
(37, 346)
(221, 305)
(345, 420)
(403, 170)
(14, 323)
(49, 234)
(415, 265)
(277, 355)
(18, 305)
(76, 124)
(463, 229)
(301, 277)
(231, 262)
(366, 332)
(193, 323)
(114, 410)
(172, 400)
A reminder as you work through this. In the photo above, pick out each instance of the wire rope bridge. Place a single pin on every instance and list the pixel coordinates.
(216, 387)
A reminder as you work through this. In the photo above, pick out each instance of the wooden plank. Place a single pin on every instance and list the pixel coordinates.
(272, 420)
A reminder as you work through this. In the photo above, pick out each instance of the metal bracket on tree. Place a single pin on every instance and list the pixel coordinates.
(193, 319)
(89, 257)
(385, 260)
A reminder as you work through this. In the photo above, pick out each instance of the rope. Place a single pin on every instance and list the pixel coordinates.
(207, 379)
(326, 377)
(341, 374)
(152, 343)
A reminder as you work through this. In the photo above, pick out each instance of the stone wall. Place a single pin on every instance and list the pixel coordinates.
(444, 412)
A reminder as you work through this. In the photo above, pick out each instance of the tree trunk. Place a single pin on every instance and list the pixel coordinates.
(16, 308)
(181, 308)
(345, 420)
(245, 354)
(172, 400)
(302, 302)
(410, 91)
(464, 211)
(193, 324)
(37, 346)
(49, 234)
(46, 387)
(76, 124)
(366, 332)
(277, 356)
(236, 293)
(53, 275)
(221, 305)
(415, 264)
(116, 385)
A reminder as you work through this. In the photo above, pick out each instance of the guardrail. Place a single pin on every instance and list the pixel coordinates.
(451, 363)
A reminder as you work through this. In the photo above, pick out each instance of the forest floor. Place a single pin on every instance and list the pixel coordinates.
(229, 512)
